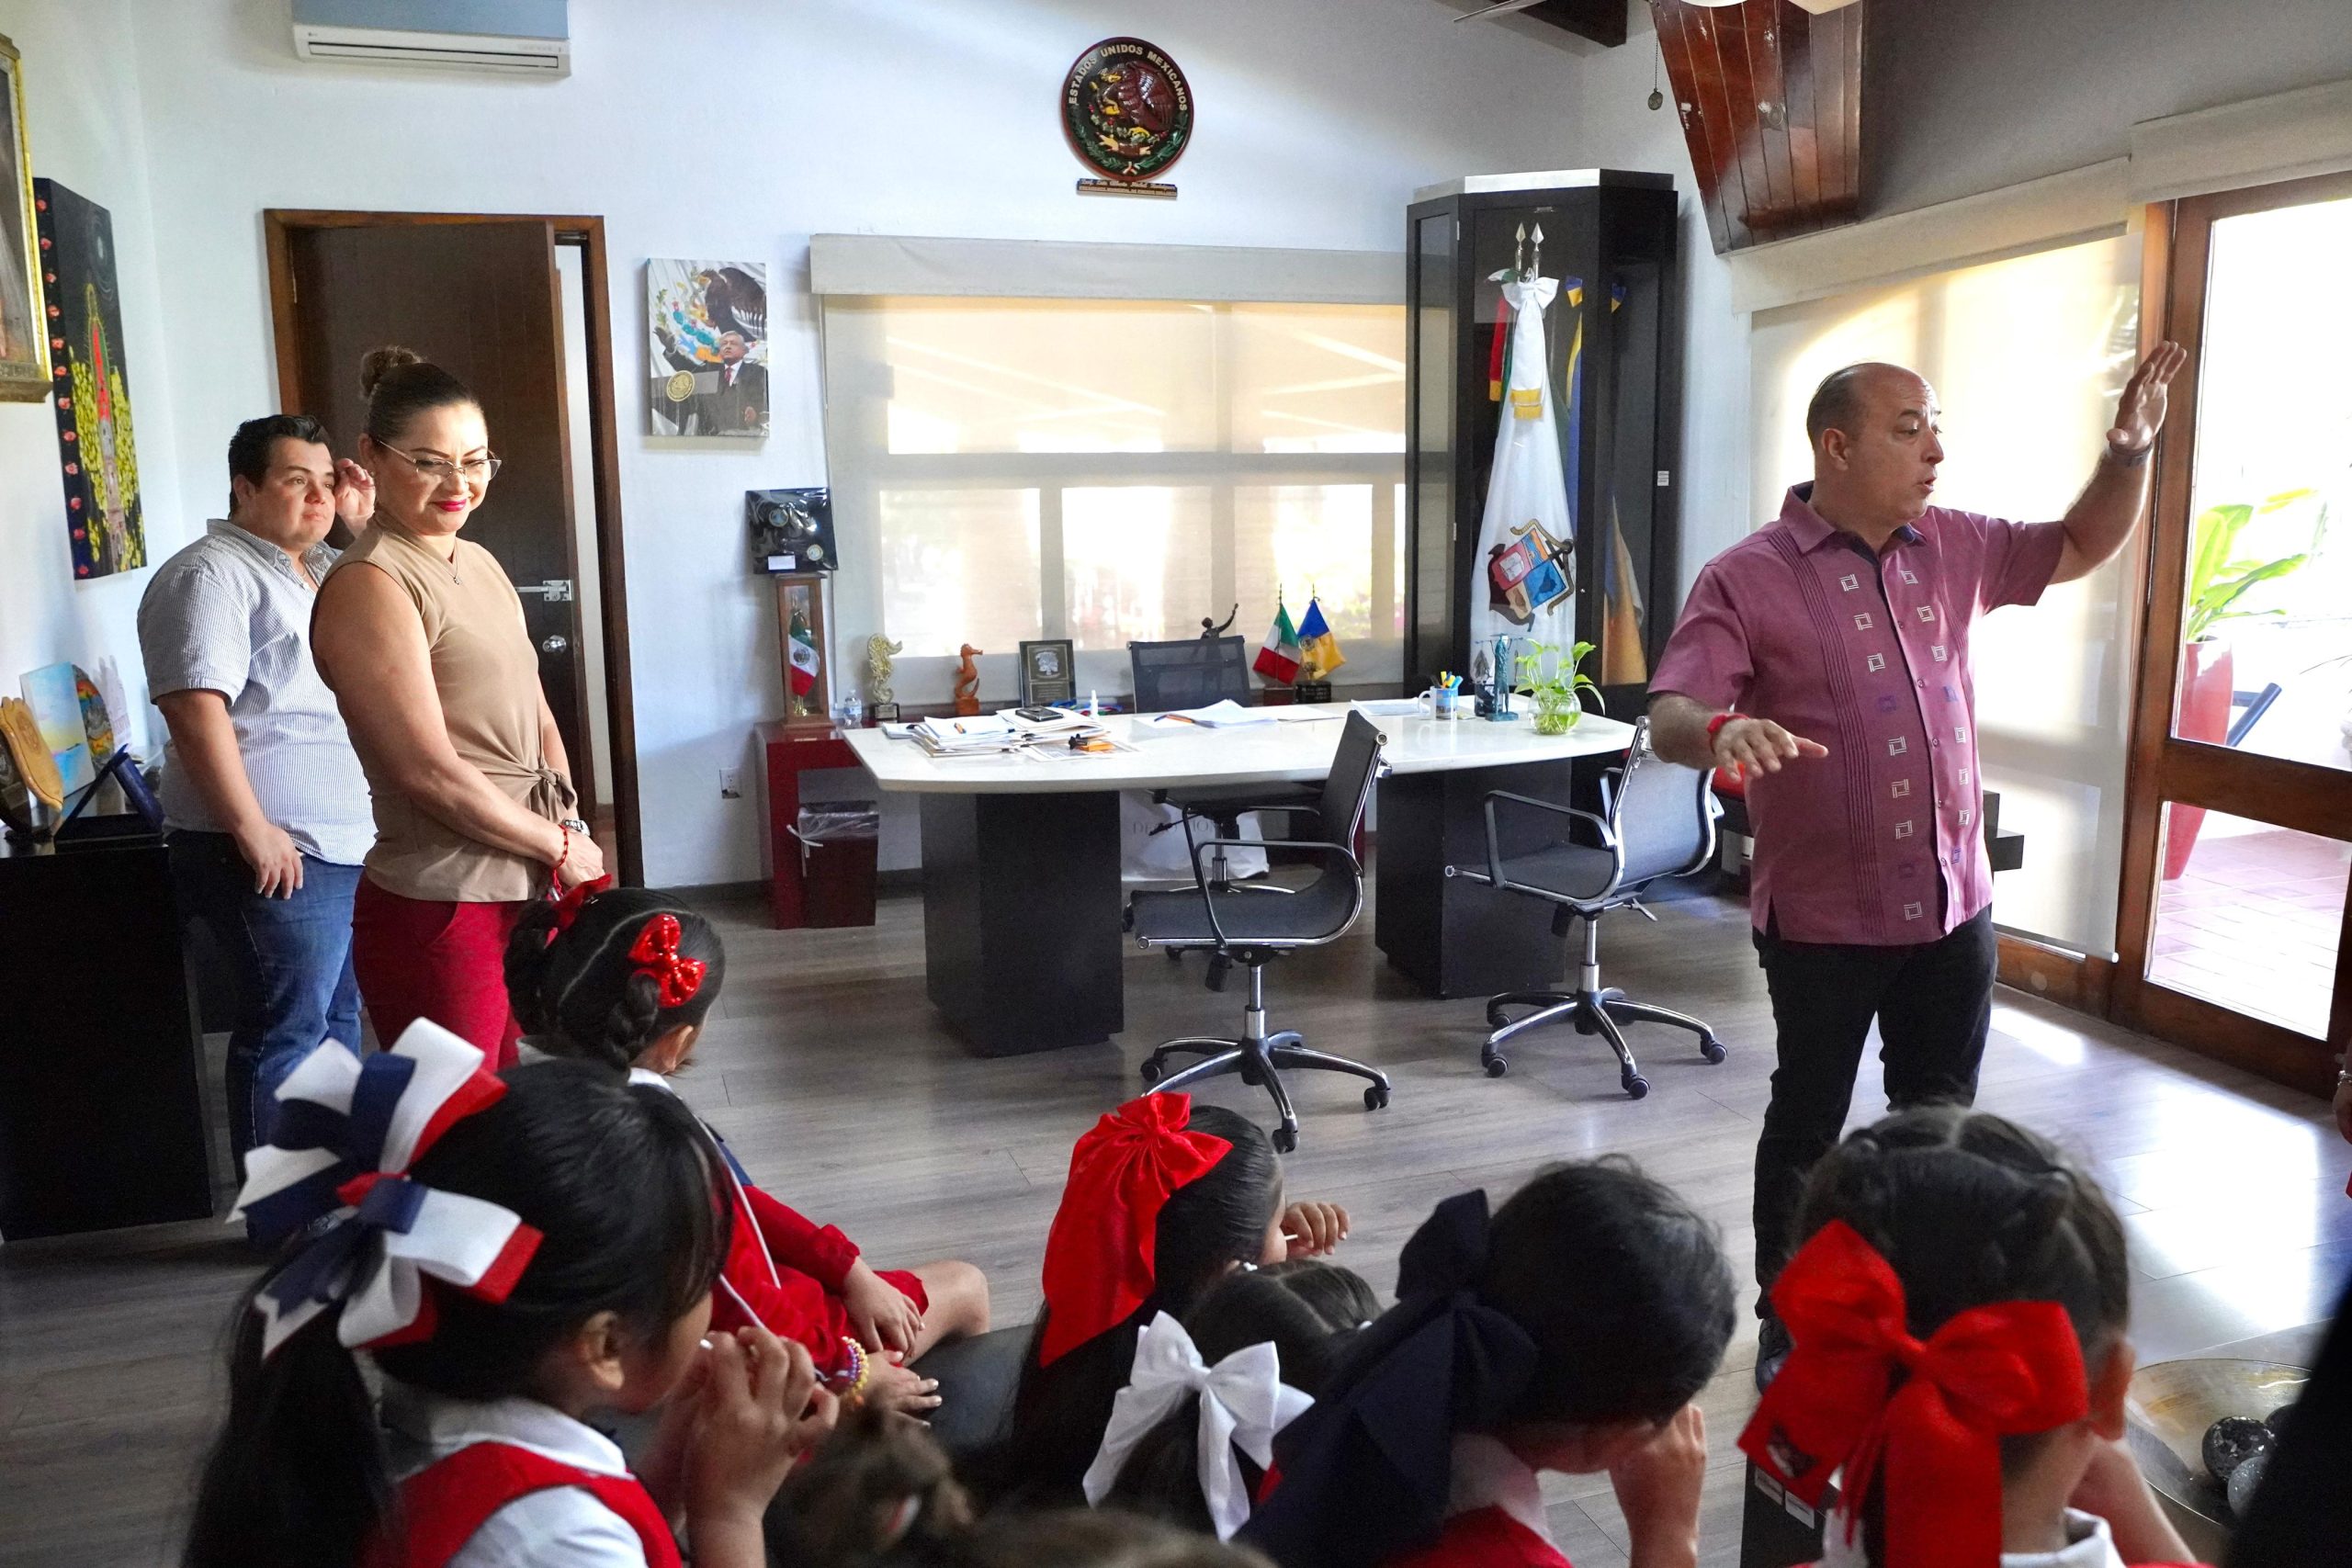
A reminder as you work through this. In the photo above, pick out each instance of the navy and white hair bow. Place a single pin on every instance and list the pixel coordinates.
(347, 1131)
(1243, 1400)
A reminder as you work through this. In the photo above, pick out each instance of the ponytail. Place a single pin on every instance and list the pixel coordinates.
(298, 1477)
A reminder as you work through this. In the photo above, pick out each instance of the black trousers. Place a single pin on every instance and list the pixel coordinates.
(1933, 1002)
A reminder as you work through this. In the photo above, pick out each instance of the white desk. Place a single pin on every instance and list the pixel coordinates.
(1022, 896)
(1286, 750)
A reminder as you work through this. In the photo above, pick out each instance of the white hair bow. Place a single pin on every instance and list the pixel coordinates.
(344, 1136)
(1244, 1402)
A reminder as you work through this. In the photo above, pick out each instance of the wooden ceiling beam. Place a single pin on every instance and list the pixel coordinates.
(1769, 95)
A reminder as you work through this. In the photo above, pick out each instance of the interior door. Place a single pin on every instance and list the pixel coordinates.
(481, 299)
(2235, 926)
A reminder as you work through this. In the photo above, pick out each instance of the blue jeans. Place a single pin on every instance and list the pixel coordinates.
(290, 960)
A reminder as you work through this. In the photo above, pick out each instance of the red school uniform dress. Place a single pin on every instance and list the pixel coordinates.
(1494, 1513)
(512, 1484)
(784, 1270)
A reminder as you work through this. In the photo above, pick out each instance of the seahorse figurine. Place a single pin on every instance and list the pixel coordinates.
(967, 684)
(879, 650)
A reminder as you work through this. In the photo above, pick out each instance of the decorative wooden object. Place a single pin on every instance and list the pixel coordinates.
(808, 693)
(1770, 99)
(967, 684)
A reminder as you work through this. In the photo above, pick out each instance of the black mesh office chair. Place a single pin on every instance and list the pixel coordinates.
(1189, 674)
(1661, 822)
(1252, 931)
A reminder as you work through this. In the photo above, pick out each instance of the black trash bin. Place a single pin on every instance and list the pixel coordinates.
(839, 841)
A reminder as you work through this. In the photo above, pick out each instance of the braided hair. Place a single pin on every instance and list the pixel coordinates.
(577, 993)
(1968, 1210)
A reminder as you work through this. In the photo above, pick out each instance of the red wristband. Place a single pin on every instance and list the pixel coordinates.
(1717, 722)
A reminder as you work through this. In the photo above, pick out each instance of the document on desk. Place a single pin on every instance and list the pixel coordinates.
(1225, 715)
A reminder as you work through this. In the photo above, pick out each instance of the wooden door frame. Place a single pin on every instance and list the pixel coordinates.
(2163, 768)
(279, 227)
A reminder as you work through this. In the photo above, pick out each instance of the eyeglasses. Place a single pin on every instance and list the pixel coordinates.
(474, 470)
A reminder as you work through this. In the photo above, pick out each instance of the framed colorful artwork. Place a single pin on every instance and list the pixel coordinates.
(96, 453)
(24, 355)
(706, 349)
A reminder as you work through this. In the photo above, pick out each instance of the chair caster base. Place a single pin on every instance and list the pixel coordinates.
(1496, 1065)
(1375, 1098)
(1285, 1139)
(1151, 1074)
(1712, 1050)
(1634, 1084)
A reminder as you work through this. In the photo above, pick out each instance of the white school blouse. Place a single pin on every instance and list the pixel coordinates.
(562, 1527)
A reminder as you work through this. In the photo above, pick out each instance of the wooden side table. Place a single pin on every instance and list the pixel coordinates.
(788, 754)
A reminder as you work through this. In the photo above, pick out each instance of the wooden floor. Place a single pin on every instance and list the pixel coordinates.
(827, 1073)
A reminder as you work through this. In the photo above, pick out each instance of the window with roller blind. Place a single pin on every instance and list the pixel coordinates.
(2027, 357)
(1112, 471)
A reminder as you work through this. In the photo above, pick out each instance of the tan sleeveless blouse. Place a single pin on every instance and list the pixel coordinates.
(486, 675)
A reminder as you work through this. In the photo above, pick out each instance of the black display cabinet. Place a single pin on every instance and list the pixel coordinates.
(1611, 237)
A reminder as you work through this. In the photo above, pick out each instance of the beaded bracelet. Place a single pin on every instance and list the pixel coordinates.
(861, 1367)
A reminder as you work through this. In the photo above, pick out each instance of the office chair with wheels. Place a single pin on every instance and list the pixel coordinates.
(1241, 928)
(1195, 673)
(1661, 822)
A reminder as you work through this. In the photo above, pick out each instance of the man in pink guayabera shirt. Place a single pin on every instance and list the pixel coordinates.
(1825, 656)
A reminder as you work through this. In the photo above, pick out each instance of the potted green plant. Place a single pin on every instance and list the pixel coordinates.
(1555, 694)
(2217, 582)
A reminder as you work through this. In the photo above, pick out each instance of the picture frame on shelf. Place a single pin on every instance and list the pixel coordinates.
(25, 367)
(1048, 672)
(806, 658)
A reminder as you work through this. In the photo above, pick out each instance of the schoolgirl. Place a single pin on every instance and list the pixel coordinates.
(1960, 1314)
(625, 978)
(1191, 1436)
(511, 1257)
(1164, 1199)
(1568, 1331)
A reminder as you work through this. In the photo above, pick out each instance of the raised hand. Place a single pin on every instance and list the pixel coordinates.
(354, 494)
(1313, 1229)
(2140, 412)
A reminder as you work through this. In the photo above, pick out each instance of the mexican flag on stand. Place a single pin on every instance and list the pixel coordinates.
(1277, 660)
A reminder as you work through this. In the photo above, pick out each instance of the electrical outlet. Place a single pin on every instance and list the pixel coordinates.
(730, 784)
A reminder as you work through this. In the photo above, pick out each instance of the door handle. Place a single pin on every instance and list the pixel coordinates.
(554, 591)
(555, 642)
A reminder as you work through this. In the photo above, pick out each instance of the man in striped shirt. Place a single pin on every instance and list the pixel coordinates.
(265, 807)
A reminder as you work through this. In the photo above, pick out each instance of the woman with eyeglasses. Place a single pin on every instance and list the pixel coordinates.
(421, 636)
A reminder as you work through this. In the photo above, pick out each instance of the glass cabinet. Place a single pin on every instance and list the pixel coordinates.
(1613, 391)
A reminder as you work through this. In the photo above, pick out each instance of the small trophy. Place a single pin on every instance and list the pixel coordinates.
(881, 704)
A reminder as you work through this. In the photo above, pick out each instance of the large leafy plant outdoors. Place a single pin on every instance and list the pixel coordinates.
(2218, 580)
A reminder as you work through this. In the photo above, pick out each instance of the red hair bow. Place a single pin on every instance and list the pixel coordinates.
(1858, 1389)
(569, 905)
(1098, 1264)
(655, 953)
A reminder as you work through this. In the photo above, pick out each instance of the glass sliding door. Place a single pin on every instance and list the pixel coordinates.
(2239, 843)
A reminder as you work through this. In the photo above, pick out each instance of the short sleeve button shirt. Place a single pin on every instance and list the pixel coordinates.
(231, 614)
(1880, 843)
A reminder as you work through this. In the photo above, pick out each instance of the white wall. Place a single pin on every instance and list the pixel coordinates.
(1970, 97)
(737, 128)
(81, 99)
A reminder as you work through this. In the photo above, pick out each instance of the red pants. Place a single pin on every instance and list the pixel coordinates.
(425, 958)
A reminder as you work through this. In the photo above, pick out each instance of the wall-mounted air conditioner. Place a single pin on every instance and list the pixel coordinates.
(515, 38)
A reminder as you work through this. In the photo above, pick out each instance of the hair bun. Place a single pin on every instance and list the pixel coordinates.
(382, 362)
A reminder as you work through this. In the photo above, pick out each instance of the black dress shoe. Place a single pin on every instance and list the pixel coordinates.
(1772, 1348)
